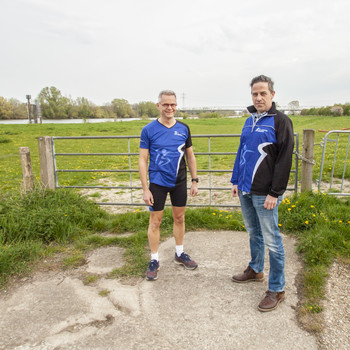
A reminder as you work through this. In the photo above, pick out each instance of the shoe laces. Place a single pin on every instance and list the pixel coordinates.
(185, 256)
(153, 265)
(270, 294)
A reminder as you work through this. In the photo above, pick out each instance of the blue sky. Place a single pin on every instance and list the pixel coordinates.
(206, 51)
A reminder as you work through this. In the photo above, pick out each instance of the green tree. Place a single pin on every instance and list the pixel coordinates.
(147, 109)
(122, 109)
(85, 108)
(347, 109)
(6, 111)
(53, 104)
(19, 109)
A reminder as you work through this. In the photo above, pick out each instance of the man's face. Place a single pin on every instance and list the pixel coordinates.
(167, 106)
(262, 97)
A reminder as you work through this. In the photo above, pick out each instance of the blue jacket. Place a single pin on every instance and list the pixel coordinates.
(264, 156)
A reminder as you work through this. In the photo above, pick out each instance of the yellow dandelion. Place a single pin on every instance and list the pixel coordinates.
(289, 209)
(313, 215)
(340, 221)
(279, 225)
(312, 206)
(306, 222)
(293, 206)
(214, 213)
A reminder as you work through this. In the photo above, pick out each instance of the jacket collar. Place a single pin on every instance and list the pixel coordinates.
(272, 110)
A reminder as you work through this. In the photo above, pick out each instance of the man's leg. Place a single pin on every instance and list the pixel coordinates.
(256, 239)
(155, 220)
(179, 224)
(179, 231)
(269, 226)
(156, 214)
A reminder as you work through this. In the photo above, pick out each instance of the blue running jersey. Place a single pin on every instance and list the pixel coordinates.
(167, 165)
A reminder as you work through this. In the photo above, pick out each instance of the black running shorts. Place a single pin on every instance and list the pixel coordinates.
(178, 195)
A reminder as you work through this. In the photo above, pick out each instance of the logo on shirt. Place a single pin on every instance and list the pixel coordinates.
(178, 134)
(260, 130)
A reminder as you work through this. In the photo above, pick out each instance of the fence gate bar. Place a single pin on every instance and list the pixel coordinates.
(129, 154)
(338, 133)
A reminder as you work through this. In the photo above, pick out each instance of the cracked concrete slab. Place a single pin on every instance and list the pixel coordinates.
(199, 309)
(104, 260)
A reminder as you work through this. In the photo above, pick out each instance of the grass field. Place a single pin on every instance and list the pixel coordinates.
(12, 137)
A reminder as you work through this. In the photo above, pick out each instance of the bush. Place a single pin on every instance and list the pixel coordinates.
(207, 115)
(337, 111)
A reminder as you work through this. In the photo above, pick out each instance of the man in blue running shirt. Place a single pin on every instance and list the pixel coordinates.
(165, 143)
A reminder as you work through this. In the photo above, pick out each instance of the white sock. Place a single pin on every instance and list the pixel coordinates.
(154, 256)
(179, 249)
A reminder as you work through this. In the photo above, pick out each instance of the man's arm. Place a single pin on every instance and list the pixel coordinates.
(143, 162)
(285, 142)
(192, 166)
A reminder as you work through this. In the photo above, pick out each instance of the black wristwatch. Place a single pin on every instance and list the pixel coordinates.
(195, 180)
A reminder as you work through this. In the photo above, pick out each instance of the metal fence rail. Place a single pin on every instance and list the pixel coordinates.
(336, 143)
(130, 154)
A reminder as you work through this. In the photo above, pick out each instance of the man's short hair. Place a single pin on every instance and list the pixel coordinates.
(263, 79)
(166, 92)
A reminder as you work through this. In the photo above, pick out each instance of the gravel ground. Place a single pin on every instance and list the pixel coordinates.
(336, 333)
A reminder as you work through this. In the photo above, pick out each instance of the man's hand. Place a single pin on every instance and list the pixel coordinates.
(234, 190)
(148, 197)
(194, 189)
(270, 202)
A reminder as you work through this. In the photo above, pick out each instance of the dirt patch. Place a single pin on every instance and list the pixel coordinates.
(219, 195)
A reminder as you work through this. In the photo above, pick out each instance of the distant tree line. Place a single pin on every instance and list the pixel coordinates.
(336, 111)
(54, 105)
(12, 109)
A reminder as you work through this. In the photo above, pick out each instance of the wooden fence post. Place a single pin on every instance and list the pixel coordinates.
(28, 179)
(47, 175)
(307, 159)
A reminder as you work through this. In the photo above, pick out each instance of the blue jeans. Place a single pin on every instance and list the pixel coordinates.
(262, 227)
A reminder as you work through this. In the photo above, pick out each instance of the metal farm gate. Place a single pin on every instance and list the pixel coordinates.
(334, 170)
(132, 187)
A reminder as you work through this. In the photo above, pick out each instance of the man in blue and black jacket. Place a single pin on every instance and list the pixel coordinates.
(260, 176)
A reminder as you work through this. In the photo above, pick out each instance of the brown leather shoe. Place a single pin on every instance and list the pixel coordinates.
(271, 301)
(249, 275)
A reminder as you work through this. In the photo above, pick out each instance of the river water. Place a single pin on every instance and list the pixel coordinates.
(69, 121)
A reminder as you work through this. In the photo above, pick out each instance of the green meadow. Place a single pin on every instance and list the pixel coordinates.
(12, 137)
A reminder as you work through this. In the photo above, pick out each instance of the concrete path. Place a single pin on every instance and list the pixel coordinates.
(200, 309)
